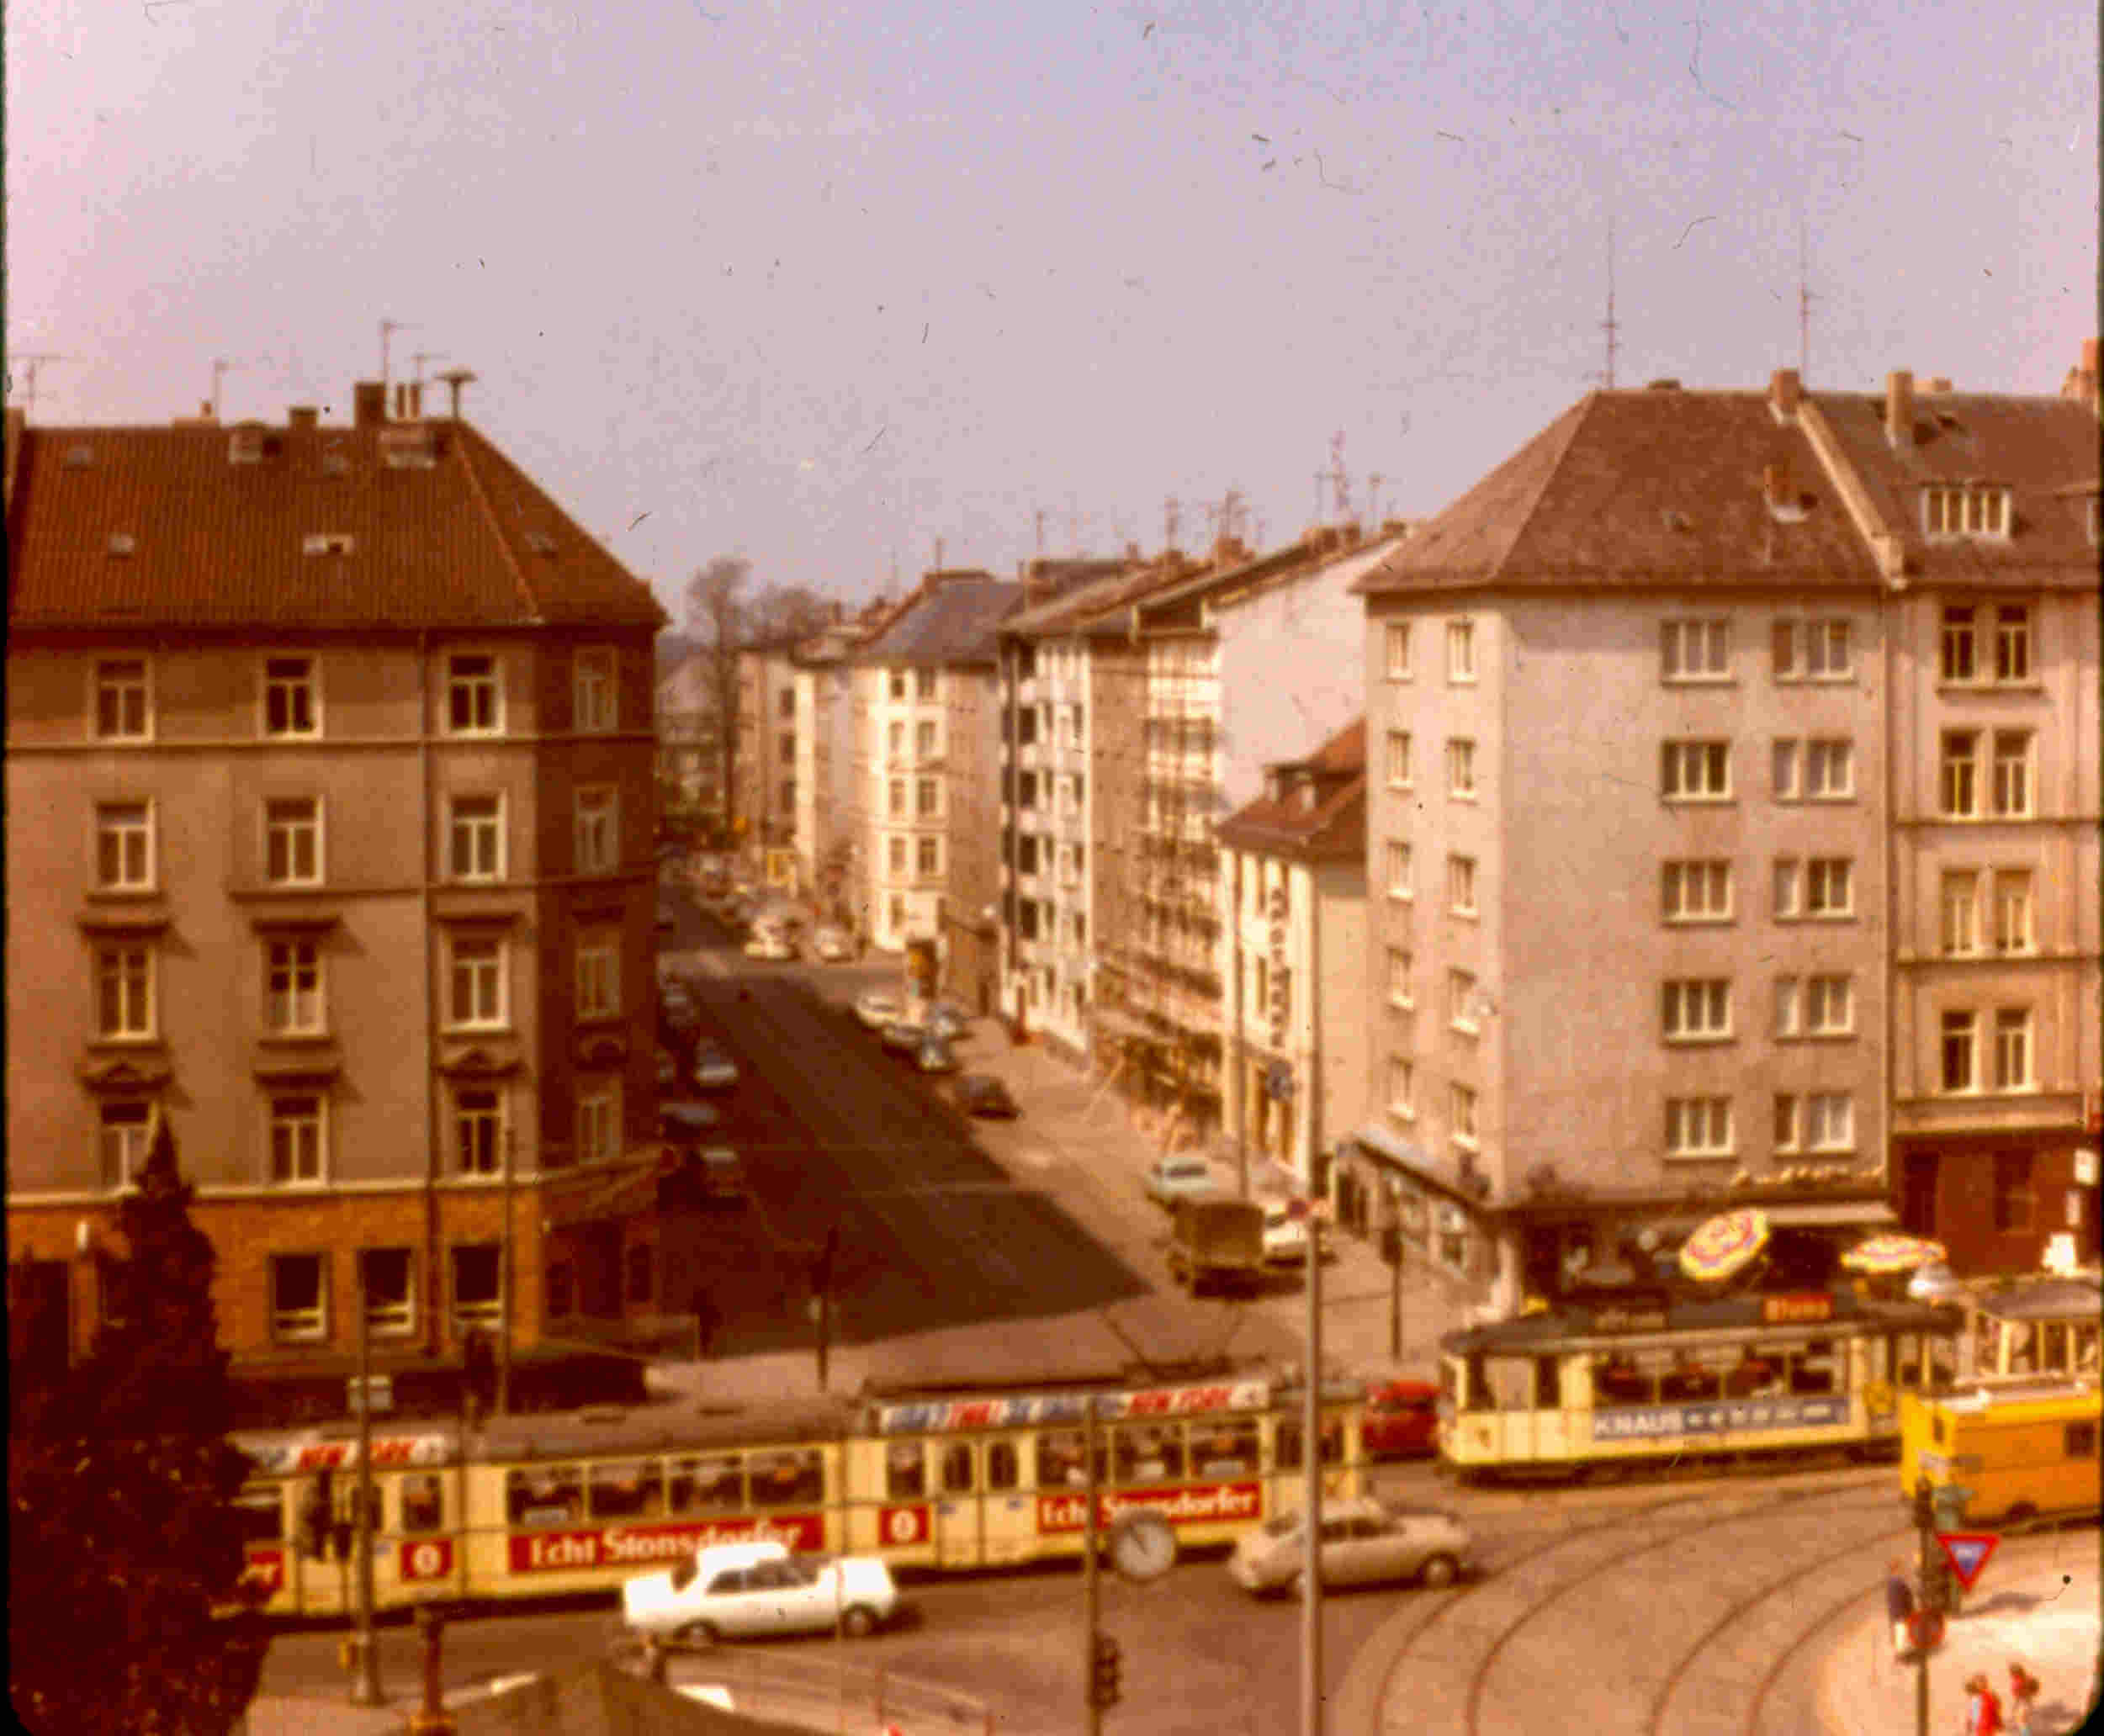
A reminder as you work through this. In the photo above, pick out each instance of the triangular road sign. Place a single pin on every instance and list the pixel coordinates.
(1966, 1552)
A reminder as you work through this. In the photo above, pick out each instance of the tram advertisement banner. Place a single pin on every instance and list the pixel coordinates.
(1645, 1422)
(426, 1559)
(645, 1545)
(1193, 1504)
(266, 1571)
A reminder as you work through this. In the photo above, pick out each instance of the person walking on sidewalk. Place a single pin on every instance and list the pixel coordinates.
(1899, 1608)
(1983, 1711)
(2023, 1696)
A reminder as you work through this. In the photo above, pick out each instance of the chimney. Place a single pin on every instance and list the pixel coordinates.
(2081, 384)
(417, 401)
(1898, 408)
(1784, 393)
(368, 404)
(303, 416)
(1775, 485)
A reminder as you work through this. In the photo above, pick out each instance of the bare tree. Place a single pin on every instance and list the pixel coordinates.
(785, 614)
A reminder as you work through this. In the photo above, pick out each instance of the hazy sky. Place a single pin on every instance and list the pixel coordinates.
(820, 284)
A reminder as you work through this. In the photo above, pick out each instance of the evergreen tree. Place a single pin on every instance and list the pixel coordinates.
(126, 1609)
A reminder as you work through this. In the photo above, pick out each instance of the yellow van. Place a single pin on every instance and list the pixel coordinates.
(2020, 1449)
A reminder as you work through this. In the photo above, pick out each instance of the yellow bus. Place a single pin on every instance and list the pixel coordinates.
(2021, 1450)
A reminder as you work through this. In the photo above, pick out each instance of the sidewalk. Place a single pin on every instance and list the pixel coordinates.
(2036, 1604)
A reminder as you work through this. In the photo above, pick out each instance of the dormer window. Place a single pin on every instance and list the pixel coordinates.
(122, 543)
(1966, 509)
(326, 542)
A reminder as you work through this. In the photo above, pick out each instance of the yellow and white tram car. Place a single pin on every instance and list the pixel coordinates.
(1628, 1382)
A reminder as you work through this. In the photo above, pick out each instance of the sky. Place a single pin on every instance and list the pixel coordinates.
(825, 285)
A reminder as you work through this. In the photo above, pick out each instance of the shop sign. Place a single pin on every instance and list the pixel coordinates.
(1652, 1422)
(1797, 1308)
(1622, 1317)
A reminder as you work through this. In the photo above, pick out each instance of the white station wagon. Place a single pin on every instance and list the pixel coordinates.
(743, 1590)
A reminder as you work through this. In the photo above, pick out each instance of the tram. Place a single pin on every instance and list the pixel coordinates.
(553, 1506)
(2012, 1450)
(1628, 1382)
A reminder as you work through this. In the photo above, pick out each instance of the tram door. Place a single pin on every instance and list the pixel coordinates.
(959, 1515)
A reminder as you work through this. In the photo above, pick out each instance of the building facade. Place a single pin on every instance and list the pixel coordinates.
(330, 785)
(691, 745)
(766, 763)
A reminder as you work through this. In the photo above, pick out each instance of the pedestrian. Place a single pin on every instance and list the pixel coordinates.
(2023, 1696)
(1899, 1607)
(1983, 1710)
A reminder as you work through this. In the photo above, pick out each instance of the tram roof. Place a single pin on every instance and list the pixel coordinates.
(2046, 1298)
(1649, 1317)
(1144, 1341)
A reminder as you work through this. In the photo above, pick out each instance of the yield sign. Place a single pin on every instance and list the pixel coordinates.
(1966, 1552)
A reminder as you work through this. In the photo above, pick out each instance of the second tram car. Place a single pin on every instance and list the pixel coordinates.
(1628, 1382)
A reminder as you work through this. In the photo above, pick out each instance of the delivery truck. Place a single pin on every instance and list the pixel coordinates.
(1217, 1244)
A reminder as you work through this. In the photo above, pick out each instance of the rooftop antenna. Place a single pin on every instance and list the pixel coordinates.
(1172, 516)
(421, 357)
(1373, 497)
(29, 364)
(938, 565)
(1040, 515)
(1804, 305)
(219, 370)
(1610, 325)
(1339, 481)
(388, 328)
(456, 378)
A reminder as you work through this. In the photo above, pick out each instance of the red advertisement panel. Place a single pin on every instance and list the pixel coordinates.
(1191, 1504)
(900, 1526)
(266, 1569)
(427, 1559)
(648, 1545)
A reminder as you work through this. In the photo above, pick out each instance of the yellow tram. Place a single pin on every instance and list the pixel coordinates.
(1628, 1382)
(2014, 1450)
(555, 1505)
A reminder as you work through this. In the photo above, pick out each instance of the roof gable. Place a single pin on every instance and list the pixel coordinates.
(950, 621)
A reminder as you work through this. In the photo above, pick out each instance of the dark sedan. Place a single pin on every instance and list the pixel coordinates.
(983, 1094)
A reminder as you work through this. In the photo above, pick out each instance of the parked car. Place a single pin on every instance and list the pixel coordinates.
(947, 1019)
(877, 1009)
(983, 1094)
(1169, 1179)
(677, 1008)
(770, 946)
(713, 1070)
(1402, 1419)
(832, 946)
(682, 1124)
(935, 1054)
(735, 1591)
(668, 1069)
(901, 1038)
(1363, 1543)
(1288, 1234)
(720, 1171)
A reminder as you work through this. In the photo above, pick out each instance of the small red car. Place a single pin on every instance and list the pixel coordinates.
(1402, 1419)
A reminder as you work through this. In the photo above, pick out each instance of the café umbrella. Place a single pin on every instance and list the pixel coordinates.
(1886, 1254)
(1724, 1245)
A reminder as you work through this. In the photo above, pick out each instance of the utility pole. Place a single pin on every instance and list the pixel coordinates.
(1311, 1511)
(365, 1691)
(1925, 1528)
(1091, 1591)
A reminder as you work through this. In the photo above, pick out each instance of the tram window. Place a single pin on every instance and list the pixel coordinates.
(2079, 1441)
(1003, 1465)
(790, 1477)
(2023, 1353)
(1154, 1453)
(423, 1502)
(1814, 1370)
(1616, 1380)
(1475, 1393)
(905, 1471)
(1690, 1376)
(1548, 1386)
(1943, 1361)
(1062, 1462)
(957, 1468)
(1226, 1448)
(260, 1511)
(2085, 1344)
(712, 1484)
(1509, 1383)
(1286, 1442)
(2052, 1347)
(630, 1489)
(1906, 1359)
(552, 1494)
(1758, 1373)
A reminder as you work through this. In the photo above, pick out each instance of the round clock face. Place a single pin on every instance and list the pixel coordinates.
(1143, 1545)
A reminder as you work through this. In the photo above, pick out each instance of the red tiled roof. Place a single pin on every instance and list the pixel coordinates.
(468, 540)
(1336, 825)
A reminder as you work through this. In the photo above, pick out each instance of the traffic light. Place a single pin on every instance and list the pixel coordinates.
(1103, 1679)
(1924, 1506)
(317, 1516)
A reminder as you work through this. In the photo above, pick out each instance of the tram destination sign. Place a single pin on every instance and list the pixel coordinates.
(1652, 1422)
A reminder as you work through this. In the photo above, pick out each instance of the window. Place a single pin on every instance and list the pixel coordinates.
(291, 841)
(474, 701)
(1822, 1121)
(928, 856)
(1961, 912)
(1695, 650)
(2013, 930)
(477, 1298)
(898, 854)
(475, 993)
(594, 696)
(1026, 790)
(1461, 1114)
(1813, 650)
(124, 847)
(289, 706)
(1461, 651)
(1400, 966)
(2012, 772)
(2012, 642)
(2014, 1199)
(387, 1276)
(927, 798)
(474, 837)
(895, 799)
(898, 683)
(292, 988)
(895, 740)
(924, 739)
(1830, 769)
(123, 992)
(1960, 661)
(295, 1138)
(1695, 771)
(599, 976)
(1964, 509)
(122, 1132)
(1786, 769)
(1957, 785)
(1460, 885)
(1026, 854)
(925, 683)
(1698, 1127)
(1698, 1009)
(599, 1121)
(1828, 888)
(1461, 1009)
(1960, 1033)
(786, 794)
(1815, 1006)
(1398, 855)
(299, 1299)
(786, 704)
(478, 1130)
(598, 835)
(1696, 891)
(1396, 639)
(1398, 759)
(121, 709)
(1402, 1088)
(1460, 768)
(2012, 1049)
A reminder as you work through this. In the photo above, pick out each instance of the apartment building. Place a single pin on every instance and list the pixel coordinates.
(927, 774)
(691, 742)
(1293, 869)
(766, 763)
(1645, 760)
(330, 789)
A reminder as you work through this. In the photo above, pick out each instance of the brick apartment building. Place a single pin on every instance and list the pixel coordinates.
(329, 791)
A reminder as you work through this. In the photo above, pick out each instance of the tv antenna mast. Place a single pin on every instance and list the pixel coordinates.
(421, 357)
(1373, 500)
(1610, 325)
(388, 328)
(1340, 483)
(29, 364)
(1172, 516)
(1804, 305)
(219, 370)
